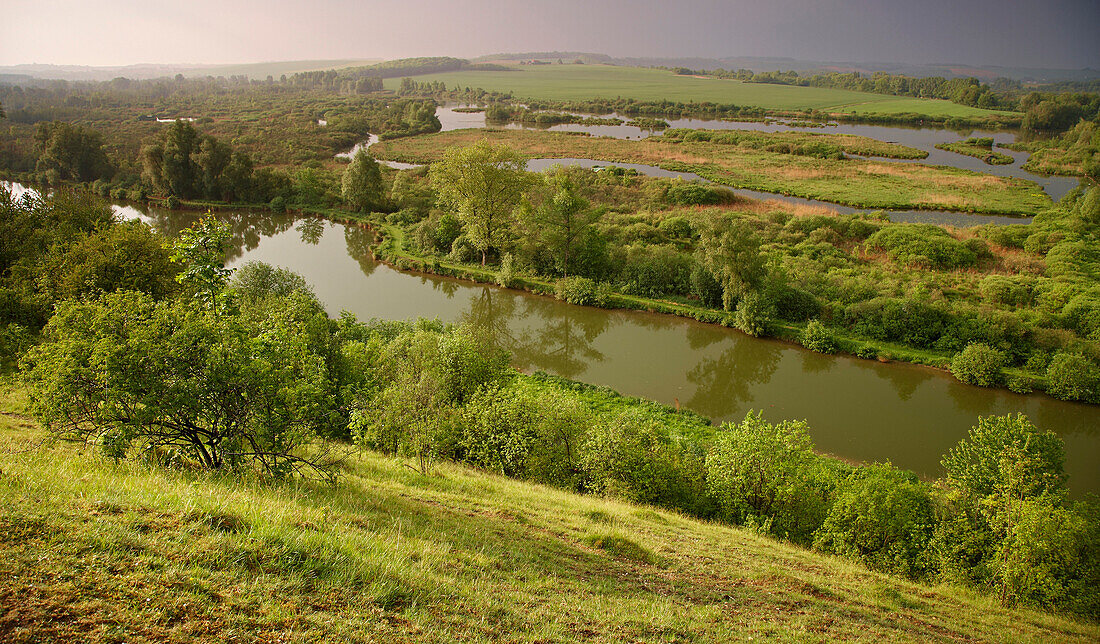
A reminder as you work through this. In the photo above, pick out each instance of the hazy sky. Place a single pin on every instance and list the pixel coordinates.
(1043, 33)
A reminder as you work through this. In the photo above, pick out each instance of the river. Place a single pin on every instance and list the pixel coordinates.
(859, 410)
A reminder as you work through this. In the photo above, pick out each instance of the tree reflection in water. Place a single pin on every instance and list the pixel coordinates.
(359, 240)
(563, 342)
(723, 384)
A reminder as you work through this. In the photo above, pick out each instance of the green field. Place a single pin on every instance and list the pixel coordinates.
(94, 551)
(581, 82)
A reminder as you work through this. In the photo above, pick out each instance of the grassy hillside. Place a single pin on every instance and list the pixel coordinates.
(96, 551)
(580, 82)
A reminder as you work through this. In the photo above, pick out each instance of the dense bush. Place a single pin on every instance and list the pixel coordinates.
(816, 337)
(580, 290)
(924, 245)
(978, 364)
(1072, 376)
(767, 474)
(754, 314)
(883, 517)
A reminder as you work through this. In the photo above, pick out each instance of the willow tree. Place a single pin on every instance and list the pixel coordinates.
(484, 183)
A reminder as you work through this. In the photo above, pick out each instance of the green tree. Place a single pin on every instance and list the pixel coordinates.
(730, 251)
(134, 376)
(362, 186)
(484, 183)
(202, 249)
(564, 219)
(767, 474)
(71, 152)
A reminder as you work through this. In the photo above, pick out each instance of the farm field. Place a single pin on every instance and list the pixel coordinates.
(580, 82)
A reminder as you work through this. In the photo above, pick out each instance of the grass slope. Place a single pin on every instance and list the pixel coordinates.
(92, 551)
(581, 82)
(861, 183)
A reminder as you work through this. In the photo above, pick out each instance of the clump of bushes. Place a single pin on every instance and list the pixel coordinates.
(978, 364)
(581, 290)
(816, 337)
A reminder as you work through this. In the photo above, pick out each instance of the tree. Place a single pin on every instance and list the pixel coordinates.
(564, 219)
(71, 152)
(1007, 455)
(167, 380)
(767, 473)
(362, 186)
(201, 249)
(730, 250)
(484, 182)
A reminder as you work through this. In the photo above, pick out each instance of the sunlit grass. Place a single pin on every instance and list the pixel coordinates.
(92, 550)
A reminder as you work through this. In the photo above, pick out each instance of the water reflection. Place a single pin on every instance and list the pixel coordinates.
(724, 385)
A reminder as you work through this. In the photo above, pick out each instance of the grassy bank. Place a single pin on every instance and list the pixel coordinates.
(101, 552)
(977, 148)
(392, 249)
(582, 82)
(860, 183)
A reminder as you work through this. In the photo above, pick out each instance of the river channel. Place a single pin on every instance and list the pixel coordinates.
(859, 410)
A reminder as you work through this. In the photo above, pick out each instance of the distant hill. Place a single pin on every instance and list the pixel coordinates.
(22, 74)
(145, 71)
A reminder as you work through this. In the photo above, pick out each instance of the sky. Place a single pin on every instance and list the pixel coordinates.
(1015, 33)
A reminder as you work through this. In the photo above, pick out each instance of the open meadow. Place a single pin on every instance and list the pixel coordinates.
(582, 82)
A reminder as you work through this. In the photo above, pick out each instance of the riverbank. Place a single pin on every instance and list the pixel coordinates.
(390, 249)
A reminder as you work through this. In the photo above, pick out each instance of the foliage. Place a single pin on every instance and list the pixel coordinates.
(632, 456)
(767, 473)
(581, 291)
(730, 251)
(882, 517)
(754, 314)
(202, 249)
(362, 186)
(135, 376)
(70, 152)
(1072, 376)
(978, 364)
(483, 183)
(816, 337)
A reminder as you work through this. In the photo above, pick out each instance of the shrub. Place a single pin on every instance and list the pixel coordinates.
(691, 193)
(754, 314)
(883, 517)
(768, 473)
(632, 456)
(978, 364)
(923, 245)
(705, 287)
(816, 337)
(676, 228)
(1072, 376)
(580, 290)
